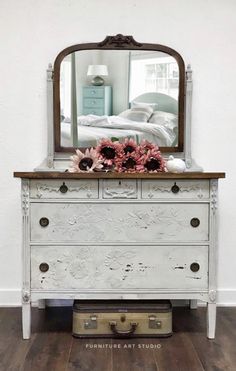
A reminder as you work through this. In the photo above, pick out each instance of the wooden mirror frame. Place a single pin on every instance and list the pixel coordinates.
(118, 42)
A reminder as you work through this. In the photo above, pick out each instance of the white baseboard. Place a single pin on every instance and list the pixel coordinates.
(12, 298)
(226, 297)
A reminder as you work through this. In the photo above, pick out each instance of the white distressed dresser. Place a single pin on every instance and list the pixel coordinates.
(114, 236)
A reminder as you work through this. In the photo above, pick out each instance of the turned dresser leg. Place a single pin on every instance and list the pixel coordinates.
(26, 320)
(193, 304)
(211, 320)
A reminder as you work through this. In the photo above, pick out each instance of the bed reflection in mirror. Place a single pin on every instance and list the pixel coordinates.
(119, 94)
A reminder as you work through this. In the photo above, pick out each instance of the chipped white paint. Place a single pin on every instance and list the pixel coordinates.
(109, 267)
(119, 248)
(130, 222)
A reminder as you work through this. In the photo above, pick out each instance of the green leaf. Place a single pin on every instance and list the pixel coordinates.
(114, 139)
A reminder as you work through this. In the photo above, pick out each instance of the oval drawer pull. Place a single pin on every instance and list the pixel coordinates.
(44, 222)
(63, 188)
(194, 267)
(44, 267)
(175, 188)
(195, 222)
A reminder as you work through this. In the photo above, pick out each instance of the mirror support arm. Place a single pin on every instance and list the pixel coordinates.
(188, 117)
(73, 110)
(50, 154)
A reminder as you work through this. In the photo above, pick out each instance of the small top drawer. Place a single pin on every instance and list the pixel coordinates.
(93, 92)
(175, 189)
(120, 189)
(64, 189)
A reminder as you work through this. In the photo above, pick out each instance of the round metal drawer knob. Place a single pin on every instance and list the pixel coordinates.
(44, 267)
(44, 222)
(195, 222)
(175, 188)
(63, 188)
(194, 267)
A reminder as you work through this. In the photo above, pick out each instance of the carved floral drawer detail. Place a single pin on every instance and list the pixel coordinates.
(175, 189)
(64, 189)
(127, 267)
(120, 188)
(129, 222)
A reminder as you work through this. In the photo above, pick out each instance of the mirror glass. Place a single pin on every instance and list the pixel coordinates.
(118, 94)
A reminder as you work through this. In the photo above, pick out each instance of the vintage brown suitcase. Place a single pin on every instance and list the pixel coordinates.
(128, 318)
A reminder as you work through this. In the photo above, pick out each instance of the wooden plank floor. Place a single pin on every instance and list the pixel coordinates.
(52, 348)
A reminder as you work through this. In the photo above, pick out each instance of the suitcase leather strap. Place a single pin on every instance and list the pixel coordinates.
(122, 333)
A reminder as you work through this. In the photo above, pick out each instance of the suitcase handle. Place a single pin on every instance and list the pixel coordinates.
(121, 333)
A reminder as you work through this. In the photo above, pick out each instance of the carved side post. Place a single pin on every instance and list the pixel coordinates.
(50, 116)
(188, 117)
(211, 305)
(26, 300)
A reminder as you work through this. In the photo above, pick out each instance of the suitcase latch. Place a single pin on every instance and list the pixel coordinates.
(154, 323)
(90, 323)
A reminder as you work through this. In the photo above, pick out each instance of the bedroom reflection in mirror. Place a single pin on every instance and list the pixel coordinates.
(119, 94)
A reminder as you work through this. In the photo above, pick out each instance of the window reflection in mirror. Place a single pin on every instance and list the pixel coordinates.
(119, 94)
(156, 73)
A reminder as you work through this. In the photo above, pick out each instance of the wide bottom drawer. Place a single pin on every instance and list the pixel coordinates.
(115, 267)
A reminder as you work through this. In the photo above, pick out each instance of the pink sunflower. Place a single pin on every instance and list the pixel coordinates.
(85, 162)
(128, 163)
(107, 151)
(129, 146)
(153, 161)
(146, 146)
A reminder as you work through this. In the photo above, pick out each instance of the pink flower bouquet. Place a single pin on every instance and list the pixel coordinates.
(121, 157)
